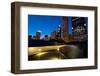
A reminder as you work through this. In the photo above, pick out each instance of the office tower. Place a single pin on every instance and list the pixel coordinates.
(53, 35)
(79, 29)
(29, 37)
(65, 35)
(58, 32)
(46, 38)
(34, 37)
(38, 35)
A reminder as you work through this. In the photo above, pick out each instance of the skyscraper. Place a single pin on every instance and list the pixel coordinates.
(53, 35)
(59, 32)
(79, 28)
(29, 37)
(65, 34)
(46, 38)
(38, 35)
(34, 37)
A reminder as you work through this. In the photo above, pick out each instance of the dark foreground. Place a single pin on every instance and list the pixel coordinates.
(73, 50)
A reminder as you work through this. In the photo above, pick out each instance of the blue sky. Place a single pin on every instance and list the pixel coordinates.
(45, 24)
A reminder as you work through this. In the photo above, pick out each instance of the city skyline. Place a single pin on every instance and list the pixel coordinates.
(41, 23)
(48, 24)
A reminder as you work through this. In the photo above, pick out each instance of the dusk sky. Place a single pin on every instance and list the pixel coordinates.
(45, 24)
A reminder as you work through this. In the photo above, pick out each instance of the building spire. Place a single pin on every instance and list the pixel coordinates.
(59, 25)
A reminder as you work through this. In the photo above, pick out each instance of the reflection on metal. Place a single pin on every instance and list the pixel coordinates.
(55, 58)
(40, 50)
(56, 52)
(34, 50)
(57, 49)
(47, 56)
(40, 54)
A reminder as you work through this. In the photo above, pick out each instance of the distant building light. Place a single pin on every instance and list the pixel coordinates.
(84, 24)
(39, 31)
(59, 25)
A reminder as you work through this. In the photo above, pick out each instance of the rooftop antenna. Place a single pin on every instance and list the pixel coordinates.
(59, 21)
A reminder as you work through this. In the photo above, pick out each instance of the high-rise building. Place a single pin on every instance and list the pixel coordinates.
(65, 34)
(79, 28)
(59, 32)
(46, 38)
(53, 35)
(34, 37)
(29, 37)
(38, 35)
